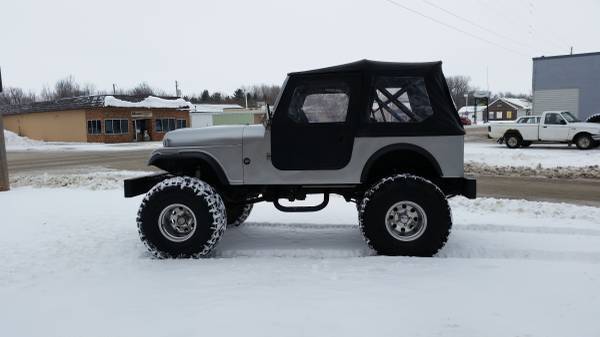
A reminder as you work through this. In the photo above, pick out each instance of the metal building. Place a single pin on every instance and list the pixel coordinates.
(567, 82)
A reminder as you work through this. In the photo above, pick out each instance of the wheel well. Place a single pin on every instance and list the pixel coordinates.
(191, 164)
(400, 160)
(580, 134)
(512, 132)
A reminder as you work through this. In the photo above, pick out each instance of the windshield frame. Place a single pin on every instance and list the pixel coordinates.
(567, 116)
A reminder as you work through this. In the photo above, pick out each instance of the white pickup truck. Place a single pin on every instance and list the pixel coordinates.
(550, 127)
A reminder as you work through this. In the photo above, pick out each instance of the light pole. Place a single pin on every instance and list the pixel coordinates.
(467, 104)
(4, 183)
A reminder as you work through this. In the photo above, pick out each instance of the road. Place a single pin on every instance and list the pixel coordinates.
(583, 192)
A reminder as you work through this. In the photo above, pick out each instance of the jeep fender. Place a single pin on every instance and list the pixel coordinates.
(183, 162)
(399, 147)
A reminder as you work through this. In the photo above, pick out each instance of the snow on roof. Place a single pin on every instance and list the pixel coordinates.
(468, 109)
(148, 102)
(518, 102)
(214, 107)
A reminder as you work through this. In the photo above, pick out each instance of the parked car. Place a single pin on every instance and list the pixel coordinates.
(550, 127)
(465, 120)
(383, 135)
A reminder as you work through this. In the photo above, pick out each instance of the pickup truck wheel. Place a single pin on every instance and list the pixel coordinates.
(584, 142)
(237, 214)
(181, 217)
(513, 141)
(405, 215)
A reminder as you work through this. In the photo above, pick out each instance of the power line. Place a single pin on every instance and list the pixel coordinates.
(533, 31)
(455, 28)
(475, 24)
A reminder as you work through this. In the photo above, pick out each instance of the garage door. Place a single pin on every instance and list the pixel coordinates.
(553, 100)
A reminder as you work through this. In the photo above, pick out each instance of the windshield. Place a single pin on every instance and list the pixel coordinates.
(569, 117)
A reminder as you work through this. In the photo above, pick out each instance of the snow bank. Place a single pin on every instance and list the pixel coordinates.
(99, 179)
(75, 253)
(149, 102)
(536, 156)
(15, 142)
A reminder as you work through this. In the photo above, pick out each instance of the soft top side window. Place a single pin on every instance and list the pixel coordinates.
(399, 99)
(320, 102)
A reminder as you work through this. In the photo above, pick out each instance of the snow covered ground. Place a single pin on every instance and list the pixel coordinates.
(15, 142)
(72, 265)
(546, 156)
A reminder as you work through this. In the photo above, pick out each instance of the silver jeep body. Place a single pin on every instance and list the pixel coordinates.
(333, 130)
(244, 154)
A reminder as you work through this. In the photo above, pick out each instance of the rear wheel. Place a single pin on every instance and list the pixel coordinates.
(513, 141)
(181, 217)
(584, 142)
(405, 215)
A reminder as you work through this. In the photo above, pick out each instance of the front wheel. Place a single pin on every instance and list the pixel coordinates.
(584, 142)
(181, 217)
(405, 215)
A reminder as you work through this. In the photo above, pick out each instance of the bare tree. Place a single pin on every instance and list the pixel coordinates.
(12, 95)
(459, 86)
(142, 89)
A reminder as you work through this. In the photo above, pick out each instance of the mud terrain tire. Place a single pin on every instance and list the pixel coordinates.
(181, 217)
(237, 214)
(393, 208)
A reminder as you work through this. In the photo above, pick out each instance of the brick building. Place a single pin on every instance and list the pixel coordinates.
(101, 118)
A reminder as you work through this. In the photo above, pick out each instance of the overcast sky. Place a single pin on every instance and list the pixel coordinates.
(221, 45)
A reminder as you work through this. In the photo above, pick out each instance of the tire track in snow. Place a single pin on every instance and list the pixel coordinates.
(471, 227)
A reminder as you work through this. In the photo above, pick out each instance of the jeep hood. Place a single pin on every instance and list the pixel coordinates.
(206, 136)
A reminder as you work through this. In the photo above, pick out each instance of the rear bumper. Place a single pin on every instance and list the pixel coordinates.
(466, 187)
(141, 185)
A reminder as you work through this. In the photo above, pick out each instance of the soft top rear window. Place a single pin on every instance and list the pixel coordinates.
(399, 99)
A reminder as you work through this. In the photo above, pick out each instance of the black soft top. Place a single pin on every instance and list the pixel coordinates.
(376, 67)
(445, 119)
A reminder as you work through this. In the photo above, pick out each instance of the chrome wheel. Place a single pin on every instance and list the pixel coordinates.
(406, 221)
(177, 222)
(512, 141)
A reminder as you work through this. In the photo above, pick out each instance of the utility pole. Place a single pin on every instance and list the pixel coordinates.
(571, 51)
(4, 183)
(114, 89)
(177, 89)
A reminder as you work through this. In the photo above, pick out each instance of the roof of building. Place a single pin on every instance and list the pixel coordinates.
(200, 108)
(97, 101)
(469, 109)
(517, 103)
(565, 56)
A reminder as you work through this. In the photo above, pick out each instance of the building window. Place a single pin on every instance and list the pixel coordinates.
(491, 114)
(498, 114)
(94, 127)
(509, 115)
(169, 124)
(116, 126)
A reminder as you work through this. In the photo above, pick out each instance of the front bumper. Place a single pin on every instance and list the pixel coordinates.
(141, 185)
(466, 187)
